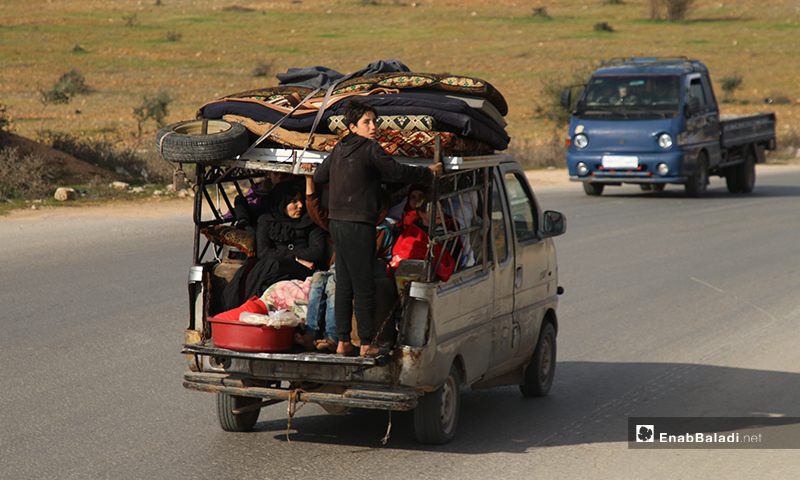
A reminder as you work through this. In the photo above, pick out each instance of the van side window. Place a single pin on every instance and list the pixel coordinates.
(522, 210)
(499, 226)
(696, 90)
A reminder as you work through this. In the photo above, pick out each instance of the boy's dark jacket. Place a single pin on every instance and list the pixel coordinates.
(355, 169)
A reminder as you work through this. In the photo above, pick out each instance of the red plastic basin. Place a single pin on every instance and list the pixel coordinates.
(245, 337)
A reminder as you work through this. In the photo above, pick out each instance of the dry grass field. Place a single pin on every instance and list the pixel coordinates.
(199, 50)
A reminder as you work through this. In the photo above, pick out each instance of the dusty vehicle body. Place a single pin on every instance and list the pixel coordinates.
(492, 323)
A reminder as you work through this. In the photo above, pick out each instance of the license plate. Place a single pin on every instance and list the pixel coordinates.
(620, 162)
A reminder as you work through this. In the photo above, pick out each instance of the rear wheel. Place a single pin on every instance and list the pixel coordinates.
(746, 173)
(697, 183)
(593, 189)
(233, 422)
(436, 415)
(542, 369)
(732, 179)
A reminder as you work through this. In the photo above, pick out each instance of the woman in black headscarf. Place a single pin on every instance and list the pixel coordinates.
(290, 246)
(287, 231)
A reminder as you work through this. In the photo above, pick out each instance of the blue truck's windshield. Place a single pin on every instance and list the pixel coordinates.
(629, 94)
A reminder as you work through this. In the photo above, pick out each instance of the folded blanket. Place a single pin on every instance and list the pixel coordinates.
(282, 136)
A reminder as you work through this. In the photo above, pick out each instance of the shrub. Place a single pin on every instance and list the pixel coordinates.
(23, 176)
(155, 107)
(73, 83)
(730, 85)
(67, 86)
(541, 12)
(552, 86)
(5, 120)
(671, 10)
(603, 27)
(262, 69)
(130, 20)
(174, 36)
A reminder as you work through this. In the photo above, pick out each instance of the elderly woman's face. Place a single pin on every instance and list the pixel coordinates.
(295, 208)
(414, 197)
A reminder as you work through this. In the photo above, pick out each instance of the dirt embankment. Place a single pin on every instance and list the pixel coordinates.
(68, 169)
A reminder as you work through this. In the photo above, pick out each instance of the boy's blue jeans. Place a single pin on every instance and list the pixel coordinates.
(320, 321)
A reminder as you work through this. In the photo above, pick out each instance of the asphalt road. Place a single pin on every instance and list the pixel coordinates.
(673, 307)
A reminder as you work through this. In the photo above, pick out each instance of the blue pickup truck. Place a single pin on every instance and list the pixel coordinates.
(654, 121)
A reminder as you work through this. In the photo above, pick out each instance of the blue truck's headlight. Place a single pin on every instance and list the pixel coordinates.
(665, 141)
(582, 168)
(581, 140)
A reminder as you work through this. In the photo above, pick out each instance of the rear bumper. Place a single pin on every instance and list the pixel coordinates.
(326, 379)
(378, 399)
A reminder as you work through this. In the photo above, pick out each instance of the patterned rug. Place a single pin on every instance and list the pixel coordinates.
(421, 144)
(408, 123)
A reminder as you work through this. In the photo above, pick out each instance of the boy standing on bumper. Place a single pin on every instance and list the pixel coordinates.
(355, 169)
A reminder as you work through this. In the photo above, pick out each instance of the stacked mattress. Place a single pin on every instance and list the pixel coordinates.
(413, 109)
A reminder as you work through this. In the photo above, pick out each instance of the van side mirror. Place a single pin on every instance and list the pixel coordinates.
(692, 106)
(566, 98)
(554, 224)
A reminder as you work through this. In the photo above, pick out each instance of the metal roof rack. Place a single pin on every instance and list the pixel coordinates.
(284, 159)
(621, 60)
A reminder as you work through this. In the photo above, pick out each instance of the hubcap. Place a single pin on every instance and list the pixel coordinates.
(448, 404)
(546, 363)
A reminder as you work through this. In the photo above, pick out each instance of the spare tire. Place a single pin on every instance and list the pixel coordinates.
(184, 142)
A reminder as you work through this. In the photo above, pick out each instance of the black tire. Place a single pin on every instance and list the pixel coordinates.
(231, 422)
(697, 183)
(732, 179)
(593, 189)
(183, 142)
(436, 415)
(746, 173)
(541, 371)
(658, 187)
(646, 187)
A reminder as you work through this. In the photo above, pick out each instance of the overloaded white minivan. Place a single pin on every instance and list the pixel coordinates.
(492, 323)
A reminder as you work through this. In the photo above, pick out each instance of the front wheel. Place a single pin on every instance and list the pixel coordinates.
(436, 415)
(593, 189)
(236, 422)
(542, 369)
(697, 183)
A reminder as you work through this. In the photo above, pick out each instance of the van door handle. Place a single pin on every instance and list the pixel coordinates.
(518, 277)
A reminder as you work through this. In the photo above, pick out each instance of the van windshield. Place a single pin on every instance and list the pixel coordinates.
(632, 93)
